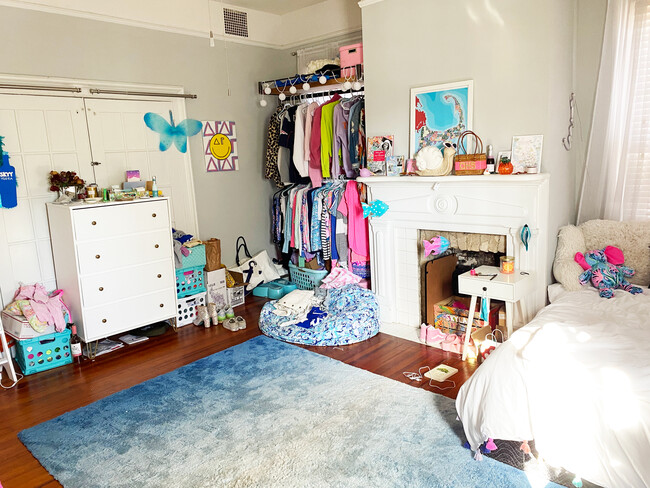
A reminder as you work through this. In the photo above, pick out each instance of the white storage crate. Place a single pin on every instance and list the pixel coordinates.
(187, 308)
(236, 296)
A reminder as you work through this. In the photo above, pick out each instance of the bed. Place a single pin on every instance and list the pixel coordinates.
(576, 379)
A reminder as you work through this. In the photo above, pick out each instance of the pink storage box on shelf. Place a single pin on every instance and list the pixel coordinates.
(350, 56)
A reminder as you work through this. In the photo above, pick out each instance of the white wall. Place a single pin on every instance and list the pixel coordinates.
(519, 54)
(590, 27)
(228, 204)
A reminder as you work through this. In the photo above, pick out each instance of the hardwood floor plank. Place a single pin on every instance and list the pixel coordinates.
(43, 396)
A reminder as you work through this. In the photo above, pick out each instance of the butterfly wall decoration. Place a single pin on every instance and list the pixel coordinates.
(170, 133)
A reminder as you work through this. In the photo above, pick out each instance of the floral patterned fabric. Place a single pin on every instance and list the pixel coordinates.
(352, 316)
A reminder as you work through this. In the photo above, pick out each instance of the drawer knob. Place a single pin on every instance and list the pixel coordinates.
(153, 215)
(485, 288)
(159, 276)
(101, 288)
(156, 246)
(97, 256)
(162, 305)
(94, 223)
(103, 321)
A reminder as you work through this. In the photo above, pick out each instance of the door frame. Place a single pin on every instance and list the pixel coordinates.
(86, 85)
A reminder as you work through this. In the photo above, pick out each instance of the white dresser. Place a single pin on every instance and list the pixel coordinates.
(114, 261)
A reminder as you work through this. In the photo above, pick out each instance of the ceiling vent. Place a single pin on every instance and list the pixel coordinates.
(235, 22)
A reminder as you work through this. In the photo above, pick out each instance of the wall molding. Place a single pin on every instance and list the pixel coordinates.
(205, 34)
(366, 3)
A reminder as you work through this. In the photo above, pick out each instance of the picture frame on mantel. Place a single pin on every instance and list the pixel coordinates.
(527, 154)
(440, 113)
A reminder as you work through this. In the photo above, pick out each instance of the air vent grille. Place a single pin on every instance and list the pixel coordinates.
(235, 22)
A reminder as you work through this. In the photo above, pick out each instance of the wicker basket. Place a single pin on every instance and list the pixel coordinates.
(470, 164)
(306, 279)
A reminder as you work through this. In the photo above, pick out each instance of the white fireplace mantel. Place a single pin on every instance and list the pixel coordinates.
(489, 204)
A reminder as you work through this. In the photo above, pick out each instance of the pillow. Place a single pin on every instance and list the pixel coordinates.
(632, 238)
(565, 270)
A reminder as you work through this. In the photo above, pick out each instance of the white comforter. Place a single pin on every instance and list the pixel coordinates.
(577, 381)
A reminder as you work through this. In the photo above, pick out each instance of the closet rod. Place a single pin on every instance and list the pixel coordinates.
(40, 87)
(96, 91)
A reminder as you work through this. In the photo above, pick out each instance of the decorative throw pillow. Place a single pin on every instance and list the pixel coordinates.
(565, 270)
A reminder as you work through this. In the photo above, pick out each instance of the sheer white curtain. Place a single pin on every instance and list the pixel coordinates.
(616, 183)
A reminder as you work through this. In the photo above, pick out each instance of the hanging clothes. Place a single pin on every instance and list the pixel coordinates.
(271, 171)
(327, 136)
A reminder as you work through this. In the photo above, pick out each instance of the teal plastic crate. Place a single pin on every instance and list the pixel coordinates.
(195, 259)
(306, 279)
(43, 352)
(190, 281)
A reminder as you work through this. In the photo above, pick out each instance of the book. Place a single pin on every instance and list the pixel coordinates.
(379, 148)
(104, 346)
(394, 165)
(133, 339)
(441, 372)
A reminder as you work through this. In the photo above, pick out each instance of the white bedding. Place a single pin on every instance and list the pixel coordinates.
(577, 381)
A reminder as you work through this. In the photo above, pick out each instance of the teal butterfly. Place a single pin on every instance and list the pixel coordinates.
(170, 133)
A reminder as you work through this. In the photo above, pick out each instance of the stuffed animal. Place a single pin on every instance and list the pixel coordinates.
(605, 275)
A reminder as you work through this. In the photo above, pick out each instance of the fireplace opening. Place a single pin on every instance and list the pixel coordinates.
(439, 275)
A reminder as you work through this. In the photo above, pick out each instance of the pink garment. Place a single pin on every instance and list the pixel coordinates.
(47, 308)
(315, 171)
(350, 206)
(292, 241)
(338, 278)
(308, 121)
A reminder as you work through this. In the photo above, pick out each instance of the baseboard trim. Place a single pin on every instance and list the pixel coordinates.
(400, 330)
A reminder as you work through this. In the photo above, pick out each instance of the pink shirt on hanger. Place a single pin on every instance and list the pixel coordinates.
(315, 171)
(350, 206)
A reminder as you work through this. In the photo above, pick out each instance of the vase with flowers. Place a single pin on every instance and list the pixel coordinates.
(66, 184)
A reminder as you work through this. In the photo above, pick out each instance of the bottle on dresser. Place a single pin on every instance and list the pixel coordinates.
(75, 343)
(154, 187)
(491, 167)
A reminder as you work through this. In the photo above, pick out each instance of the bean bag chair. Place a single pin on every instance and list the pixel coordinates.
(352, 316)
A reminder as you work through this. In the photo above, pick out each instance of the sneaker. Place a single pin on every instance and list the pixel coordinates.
(423, 333)
(221, 315)
(435, 336)
(241, 323)
(231, 324)
(230, 314)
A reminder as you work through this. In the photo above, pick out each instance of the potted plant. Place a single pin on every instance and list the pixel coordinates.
(66, 184)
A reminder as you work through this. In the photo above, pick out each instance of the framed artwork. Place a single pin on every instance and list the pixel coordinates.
(503, 154)
(379, 148)
(394, 165)
(220, 145)
(440, 113)
(527, 154)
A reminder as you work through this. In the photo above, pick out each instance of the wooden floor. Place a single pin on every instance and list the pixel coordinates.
(46, 395)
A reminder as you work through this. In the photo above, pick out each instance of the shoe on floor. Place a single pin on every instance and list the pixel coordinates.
(230, 314)
(231, 324)
(241, 323)
(221, 315)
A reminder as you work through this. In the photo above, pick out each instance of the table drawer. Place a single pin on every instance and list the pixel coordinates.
(103, 288)
(117, 220)
(102, 256)
(496, 291)
(106, 320)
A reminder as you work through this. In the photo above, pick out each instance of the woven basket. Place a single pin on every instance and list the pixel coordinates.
(470, 164)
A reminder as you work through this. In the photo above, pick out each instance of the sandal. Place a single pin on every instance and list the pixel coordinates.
(241, 323)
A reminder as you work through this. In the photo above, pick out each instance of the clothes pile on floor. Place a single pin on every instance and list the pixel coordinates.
(40, 308)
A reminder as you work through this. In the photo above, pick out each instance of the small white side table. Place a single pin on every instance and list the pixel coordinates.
(507, 287)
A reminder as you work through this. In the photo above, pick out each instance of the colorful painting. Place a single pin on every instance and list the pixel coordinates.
(379, 148)
(440, 113)
(220, 145)
(527, 154)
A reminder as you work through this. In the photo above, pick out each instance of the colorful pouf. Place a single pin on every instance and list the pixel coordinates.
(352, 316)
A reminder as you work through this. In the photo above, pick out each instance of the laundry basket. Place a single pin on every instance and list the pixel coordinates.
(306, 279)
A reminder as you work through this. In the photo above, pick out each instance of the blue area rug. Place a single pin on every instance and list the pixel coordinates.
(265, 414)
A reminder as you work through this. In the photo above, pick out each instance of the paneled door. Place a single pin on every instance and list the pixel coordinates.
(120, 141)
(41, 133)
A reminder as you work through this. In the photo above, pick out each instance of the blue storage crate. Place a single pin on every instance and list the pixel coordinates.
(190, 281)
(195, 259)
(43, 352)
(306, 279)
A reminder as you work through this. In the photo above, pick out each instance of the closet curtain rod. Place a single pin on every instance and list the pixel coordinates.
(40, 87)
(96, 91)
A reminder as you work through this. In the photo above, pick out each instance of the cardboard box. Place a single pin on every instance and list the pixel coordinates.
(236, 290)
(453, 320)
(439, 280)
(18, 327)
(216, 287)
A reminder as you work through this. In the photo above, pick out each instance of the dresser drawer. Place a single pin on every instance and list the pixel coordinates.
(495, 290)
(118, 220)
(106, 255)
(106, 320)
(99, 289)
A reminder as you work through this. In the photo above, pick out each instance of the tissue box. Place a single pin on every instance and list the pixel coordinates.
(18, 327)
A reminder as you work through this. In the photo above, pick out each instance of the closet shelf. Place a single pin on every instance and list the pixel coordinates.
(334, 83)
